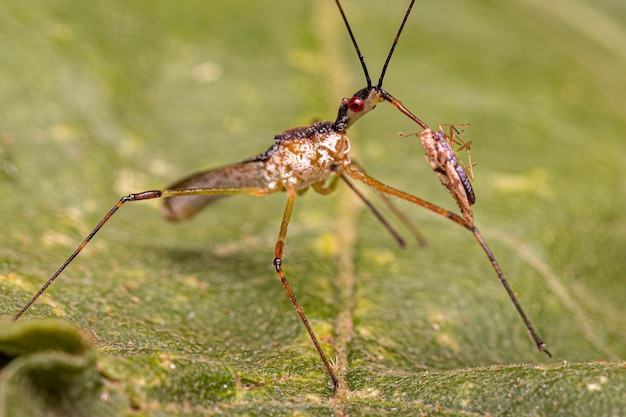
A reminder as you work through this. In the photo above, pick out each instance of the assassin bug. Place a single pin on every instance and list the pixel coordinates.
(309, 156)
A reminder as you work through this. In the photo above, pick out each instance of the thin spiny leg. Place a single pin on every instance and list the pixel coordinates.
(421, 239)
(540, 344)
(278, 261)
(383, 188)
(379, 186)
(330, 186)
(146, 195)
(403, 219)
(401, 242)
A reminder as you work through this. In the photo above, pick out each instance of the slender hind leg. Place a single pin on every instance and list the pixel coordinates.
(145, 195)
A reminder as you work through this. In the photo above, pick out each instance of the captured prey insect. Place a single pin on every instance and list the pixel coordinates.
(315, 156)
(453, 174)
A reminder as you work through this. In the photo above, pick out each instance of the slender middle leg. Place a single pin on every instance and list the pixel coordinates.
(395, 210)
(278, 261)
(330, 186)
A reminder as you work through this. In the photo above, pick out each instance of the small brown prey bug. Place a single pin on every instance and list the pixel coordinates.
(453, 174)
(315, 156)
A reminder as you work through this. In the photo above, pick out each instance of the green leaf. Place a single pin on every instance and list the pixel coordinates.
(103, 99)
(48, 369)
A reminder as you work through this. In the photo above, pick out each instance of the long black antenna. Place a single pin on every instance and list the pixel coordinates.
(356, 46)
(393, 46)
(358, 50)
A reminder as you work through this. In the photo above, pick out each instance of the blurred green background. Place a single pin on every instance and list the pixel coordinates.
(101, 99)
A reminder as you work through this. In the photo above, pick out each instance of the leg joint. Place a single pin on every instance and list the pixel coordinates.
(277, 264)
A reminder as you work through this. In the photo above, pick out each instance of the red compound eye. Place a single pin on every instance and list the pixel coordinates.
(356, 104)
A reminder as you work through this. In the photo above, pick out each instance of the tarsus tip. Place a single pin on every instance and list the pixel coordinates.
(542, 348)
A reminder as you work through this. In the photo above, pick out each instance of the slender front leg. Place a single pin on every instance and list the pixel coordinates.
(278, 261)
(383, 188)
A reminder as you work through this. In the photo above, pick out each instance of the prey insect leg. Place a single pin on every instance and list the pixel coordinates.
(454, 140)
(383, 188)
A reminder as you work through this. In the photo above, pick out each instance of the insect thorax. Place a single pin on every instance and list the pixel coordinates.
(306, 155)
